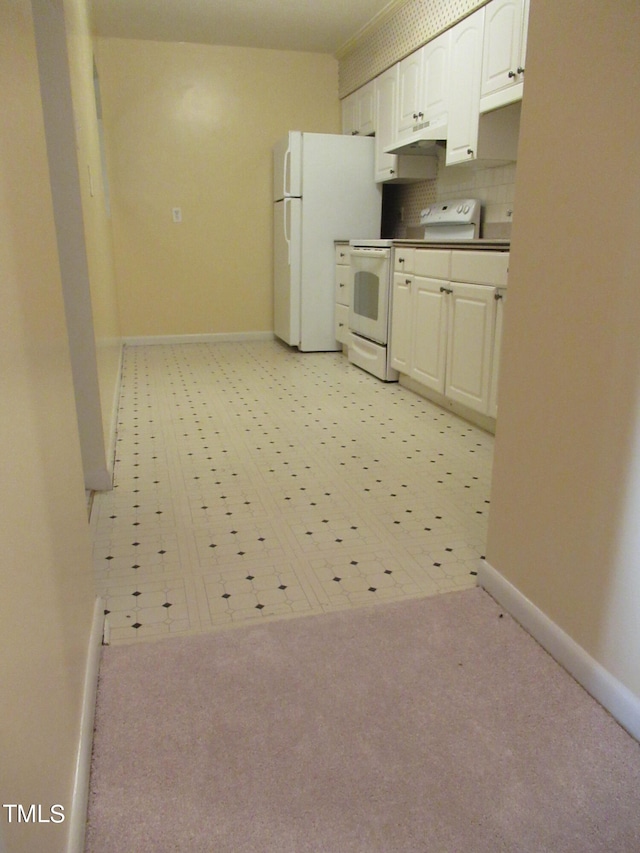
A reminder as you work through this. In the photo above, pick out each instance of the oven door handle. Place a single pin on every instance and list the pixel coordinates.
(369, 253)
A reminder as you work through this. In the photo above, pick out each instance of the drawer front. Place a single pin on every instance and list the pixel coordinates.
(432, 263)
(342, 324)
(371, 357)
(403, 260)
(480, 267)
(343, 284)
(342, 253)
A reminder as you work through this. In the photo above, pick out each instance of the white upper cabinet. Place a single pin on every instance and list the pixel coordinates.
(505, 44)
(391, 168)
(492, 137)
(464, 96)
(358, 111)
(423, 86)
(409, 93)
(386, 91)
(436, 76)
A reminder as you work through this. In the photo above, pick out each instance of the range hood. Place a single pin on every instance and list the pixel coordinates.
(425, 138)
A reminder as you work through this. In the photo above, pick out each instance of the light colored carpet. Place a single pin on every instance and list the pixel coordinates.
(428, 725)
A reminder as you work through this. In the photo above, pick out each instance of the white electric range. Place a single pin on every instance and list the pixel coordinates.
(371, 276)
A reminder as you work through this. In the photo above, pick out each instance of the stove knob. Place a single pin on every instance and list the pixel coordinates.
(459, 208)
(467, 208)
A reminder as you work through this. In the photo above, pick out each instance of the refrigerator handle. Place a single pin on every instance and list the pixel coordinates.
(286, 174)
(286, 210)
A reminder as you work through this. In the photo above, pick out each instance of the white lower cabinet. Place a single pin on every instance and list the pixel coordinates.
(429, 333)
(500, 298)
(446, 334)
(401, 312)
(342, 293)
(470, 345)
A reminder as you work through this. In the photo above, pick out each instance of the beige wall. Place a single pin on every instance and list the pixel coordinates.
(564, 517)
(192, 126)
(47, 596)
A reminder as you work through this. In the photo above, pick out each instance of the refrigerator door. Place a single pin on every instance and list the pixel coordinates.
(287, 166)
(287, 228)
(340, 201)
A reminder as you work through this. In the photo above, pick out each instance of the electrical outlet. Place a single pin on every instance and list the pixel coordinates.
(176, 213)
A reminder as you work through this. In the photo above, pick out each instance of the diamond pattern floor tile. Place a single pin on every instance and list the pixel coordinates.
(254, 482)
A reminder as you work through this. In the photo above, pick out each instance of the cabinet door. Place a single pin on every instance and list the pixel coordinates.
(470, 345)
(342, 333)
(366, 110)
(358, 112)
(349, 114)
(429, 332)
(435, 77)
(386, 89)
(500, 297)
(343, 279)
(409, 93)
(400, 342)
(503, 32)
(464, 96)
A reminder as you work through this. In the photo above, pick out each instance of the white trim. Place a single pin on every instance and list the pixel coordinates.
(208, 338)
(98, 480)
(113, 430)
(80, 797)
(612, 694)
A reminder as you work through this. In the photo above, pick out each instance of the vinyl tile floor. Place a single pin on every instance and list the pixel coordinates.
(255, 482)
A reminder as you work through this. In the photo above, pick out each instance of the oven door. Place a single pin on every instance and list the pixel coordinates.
(370, 281)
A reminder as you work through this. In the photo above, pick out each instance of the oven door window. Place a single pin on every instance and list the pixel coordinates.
(366, 296)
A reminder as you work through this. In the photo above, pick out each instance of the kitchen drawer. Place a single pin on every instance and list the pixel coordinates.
(432, 263)
(371, 357)
(342, 324)
(403, 260)
(480, 267)
(343, 284)
(342, 254)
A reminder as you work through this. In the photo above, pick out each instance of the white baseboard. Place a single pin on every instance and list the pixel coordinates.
(619, 701)
(80, 797)
(209, 338)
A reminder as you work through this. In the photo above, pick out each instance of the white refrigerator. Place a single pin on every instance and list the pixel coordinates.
(323, 190)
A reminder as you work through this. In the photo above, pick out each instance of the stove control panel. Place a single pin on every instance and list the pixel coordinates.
(464, 211)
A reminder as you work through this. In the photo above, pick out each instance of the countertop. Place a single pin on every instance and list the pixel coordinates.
(486, 244)
(490, 244)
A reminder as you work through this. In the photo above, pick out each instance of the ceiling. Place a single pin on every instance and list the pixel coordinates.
(318, 26)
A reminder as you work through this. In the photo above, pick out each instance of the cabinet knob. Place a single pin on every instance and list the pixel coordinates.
(511, 75)
(392, 171)
(497, 295)
(407, 281)
(415, 115)
(446, 290)
(470, 151)
(400, 260)
(520, 69)
(355, 132)
(420, 115)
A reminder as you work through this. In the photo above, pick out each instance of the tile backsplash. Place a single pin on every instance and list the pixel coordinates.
(494, 187)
